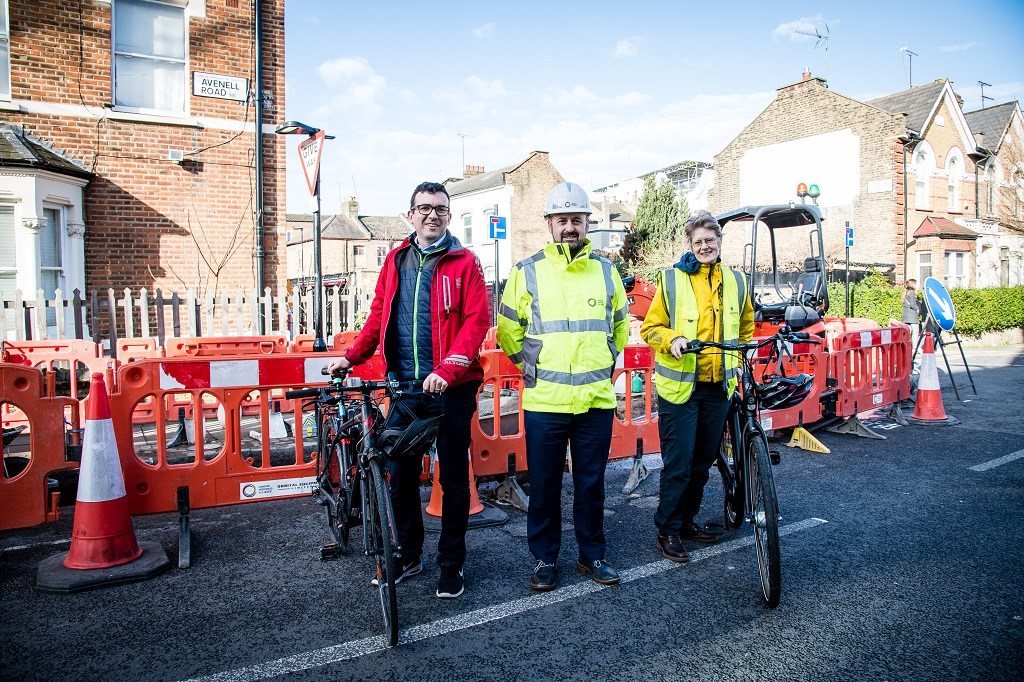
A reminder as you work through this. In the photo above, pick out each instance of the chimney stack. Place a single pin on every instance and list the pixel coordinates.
(807, 73)
(470, 171)
(350, 207)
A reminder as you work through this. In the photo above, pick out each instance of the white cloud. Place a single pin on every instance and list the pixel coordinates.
(959, 48)
(627, 47)
(484, 30)
(798, 29)
(352, 84)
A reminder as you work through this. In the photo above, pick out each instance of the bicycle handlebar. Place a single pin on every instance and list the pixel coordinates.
(338, 385)
(784, 335)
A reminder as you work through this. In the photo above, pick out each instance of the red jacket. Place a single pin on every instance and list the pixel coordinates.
(459, 314)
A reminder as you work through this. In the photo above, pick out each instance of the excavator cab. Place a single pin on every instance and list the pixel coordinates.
(781, 255)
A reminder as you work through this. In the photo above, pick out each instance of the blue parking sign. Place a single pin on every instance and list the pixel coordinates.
(849, 237)
(939, 303)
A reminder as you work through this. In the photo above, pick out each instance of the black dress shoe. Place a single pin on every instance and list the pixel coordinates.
(543, 578)
(599, 571)
(697, 534)
(671, 547)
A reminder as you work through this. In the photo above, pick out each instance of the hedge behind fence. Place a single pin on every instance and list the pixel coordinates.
(977, 310)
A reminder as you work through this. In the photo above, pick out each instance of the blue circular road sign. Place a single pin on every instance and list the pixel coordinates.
(940, 305)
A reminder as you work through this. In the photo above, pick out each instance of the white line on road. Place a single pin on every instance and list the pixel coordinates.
(16, 548)
(992, 464)
(376, 644)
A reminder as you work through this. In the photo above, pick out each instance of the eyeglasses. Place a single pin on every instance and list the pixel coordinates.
(425, 209)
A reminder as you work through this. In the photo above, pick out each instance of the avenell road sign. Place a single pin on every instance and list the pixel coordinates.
(940, 305)
(309, 152)
(497, 227)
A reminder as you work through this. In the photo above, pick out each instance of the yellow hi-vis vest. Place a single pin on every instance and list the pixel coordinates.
(563, 321)
(675, 378)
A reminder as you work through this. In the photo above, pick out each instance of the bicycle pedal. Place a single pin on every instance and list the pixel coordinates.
(330, 551)
(319, 497)
(774, 456)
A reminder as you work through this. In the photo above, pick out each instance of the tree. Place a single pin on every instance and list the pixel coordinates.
(655, 239)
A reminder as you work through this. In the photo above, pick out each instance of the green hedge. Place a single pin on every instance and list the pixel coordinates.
(977, 310)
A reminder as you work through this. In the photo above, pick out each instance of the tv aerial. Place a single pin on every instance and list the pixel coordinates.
(822, 34)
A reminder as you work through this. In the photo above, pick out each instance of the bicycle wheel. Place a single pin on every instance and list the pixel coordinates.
(339, 519)
(732, 483)
(764, 507)
(381, 543)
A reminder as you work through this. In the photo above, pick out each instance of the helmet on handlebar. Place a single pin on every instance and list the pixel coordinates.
(779, 392)
(409, 442)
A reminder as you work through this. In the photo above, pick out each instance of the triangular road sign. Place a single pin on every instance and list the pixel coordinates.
(309, 152)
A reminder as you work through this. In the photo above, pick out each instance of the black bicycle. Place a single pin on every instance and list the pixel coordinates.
(353, 446)
(745, 461)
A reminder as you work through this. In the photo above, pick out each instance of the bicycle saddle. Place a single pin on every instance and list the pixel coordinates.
(411, 441)
(781, 392)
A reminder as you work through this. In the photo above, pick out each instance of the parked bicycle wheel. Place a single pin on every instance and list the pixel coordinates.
(764, 507)
(381, 543)
(340, 520)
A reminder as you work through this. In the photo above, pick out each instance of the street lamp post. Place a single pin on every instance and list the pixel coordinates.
(297, 128)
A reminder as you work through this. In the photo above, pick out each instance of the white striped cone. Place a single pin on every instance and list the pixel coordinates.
(928, 405)
(102, 535)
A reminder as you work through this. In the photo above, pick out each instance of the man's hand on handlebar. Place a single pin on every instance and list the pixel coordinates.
(338, 366)
(434, 384)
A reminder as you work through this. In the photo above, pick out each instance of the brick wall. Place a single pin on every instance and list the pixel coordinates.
(149, 221)
(530, 183)
(809, 108)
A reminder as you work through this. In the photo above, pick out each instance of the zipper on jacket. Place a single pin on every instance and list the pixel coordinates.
(415, 318)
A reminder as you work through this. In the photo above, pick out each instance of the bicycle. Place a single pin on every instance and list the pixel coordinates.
(353, 446)
(745, 461)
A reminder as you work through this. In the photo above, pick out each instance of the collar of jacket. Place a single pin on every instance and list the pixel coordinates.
(560, 252)
(450, 239)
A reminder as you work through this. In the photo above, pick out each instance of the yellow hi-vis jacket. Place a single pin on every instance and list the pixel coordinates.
(711, 304)
(563, 321)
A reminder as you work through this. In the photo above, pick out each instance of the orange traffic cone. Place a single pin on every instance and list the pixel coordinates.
(479, 514)
(103, 550)
(928, 409)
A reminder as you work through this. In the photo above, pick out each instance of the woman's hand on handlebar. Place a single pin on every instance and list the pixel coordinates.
(679, 344)
(338, 366)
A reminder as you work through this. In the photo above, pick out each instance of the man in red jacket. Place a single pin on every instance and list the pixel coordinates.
(429, 316)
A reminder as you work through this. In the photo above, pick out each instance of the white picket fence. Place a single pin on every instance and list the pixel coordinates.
(104, 317)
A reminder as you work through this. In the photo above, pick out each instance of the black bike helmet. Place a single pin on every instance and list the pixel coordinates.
(411, 441)
(781, 392)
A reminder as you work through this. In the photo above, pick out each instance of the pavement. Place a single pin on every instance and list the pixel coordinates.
(901, 559)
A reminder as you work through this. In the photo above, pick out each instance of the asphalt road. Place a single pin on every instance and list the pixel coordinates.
(900, 562)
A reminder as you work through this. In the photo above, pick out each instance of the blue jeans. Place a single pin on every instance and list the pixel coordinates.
(691, 434)
(547, 435)
(456, 405)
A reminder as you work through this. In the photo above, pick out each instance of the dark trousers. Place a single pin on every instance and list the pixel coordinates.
(691, 434)
(456, 405)
(547, 435)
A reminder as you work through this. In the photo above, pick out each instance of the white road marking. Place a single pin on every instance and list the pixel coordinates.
(377, 643)
(16, 548)
(992, 464)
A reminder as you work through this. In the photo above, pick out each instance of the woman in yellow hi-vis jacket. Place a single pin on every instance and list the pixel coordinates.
(564, 319)
(697, 298)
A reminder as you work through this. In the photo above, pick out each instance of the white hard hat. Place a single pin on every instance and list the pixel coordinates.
(566, 198)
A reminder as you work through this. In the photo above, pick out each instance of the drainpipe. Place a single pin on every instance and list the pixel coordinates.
(260, 252)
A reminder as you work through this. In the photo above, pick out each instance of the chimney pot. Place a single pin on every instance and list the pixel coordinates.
(807, 73)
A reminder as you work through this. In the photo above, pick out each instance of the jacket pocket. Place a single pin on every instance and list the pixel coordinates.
(531, 354)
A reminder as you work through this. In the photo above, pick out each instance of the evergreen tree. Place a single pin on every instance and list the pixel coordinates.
(656, 237)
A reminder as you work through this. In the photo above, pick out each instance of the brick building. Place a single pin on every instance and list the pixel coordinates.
(516, 192)
(145, 111)
(900, 169)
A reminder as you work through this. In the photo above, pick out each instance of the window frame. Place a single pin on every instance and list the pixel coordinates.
(181, 5)
(954, 170)
(5, 67)
(958, 260)
(924, 164)
(922, 265)
(467, 228)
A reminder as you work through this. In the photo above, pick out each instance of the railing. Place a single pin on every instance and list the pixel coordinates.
(104, 316)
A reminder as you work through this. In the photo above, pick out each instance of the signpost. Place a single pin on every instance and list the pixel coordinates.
(498, 232)
(309, 151)
(849, 245)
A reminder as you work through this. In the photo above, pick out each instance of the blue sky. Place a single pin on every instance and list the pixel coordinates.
(611, 90)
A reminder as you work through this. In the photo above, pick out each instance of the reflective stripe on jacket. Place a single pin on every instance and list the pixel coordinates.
(563, 321)
(725, 297)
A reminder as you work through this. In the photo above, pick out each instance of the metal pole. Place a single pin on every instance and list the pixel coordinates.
(319, 345)
(260, 231)
(847, 274)
(494, 290)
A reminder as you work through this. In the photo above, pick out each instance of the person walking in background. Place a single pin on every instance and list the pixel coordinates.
(563, 320)
(912, 315)
(429, 316)
(697, 298)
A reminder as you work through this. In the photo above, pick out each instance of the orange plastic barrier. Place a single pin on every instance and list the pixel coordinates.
(134, 349)
(498, 445)
(25, 500)
(204, 346)
(637, 429)
(51, 355)
(869, 365)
